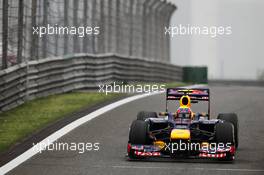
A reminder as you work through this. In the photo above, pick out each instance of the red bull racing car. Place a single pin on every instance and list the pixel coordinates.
(184, 133)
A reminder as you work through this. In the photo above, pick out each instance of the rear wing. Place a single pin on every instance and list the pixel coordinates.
(195, 94)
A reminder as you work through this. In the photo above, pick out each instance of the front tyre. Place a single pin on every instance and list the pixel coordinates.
(224, 134)
(232, 118)
(138, 135)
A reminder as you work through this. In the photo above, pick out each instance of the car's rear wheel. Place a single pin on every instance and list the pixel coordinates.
(138, 135)
(232, 118)
(143, 115)
(224, 134)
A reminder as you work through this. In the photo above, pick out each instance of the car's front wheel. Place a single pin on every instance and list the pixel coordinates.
(138, 135)
(224, 135)
(232, 118)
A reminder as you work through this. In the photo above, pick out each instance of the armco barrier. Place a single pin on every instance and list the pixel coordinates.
(44, 77)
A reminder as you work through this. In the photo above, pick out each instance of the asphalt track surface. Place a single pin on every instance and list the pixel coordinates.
(111, 131)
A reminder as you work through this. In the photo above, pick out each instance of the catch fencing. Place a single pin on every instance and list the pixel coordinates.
(127, 27)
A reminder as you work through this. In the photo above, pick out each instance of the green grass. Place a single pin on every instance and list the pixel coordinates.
(18, 123)
(34, 115)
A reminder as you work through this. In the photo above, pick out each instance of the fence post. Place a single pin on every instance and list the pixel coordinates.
(5, 34)
(155, 35)
(45, 21)
(93, 18)
(138, 29)
(20, 30)
(117, 26)
(66, 24)
(171, 8)
(76, 46)
(85, 18)
(144, 29)
(151, 31)
(34, 42)
(101, 36)
(131, 32)
(109, 26)
(160, 27)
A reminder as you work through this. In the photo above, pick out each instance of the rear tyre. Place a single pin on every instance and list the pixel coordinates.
(232, 118)
(143, 115)
(138, 134)
(224, 134)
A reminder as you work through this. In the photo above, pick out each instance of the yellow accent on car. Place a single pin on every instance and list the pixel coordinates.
(160, 144)
(188, 104)
(180, 134)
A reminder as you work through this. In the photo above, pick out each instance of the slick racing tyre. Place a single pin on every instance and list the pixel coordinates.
(138, 135)
(143, 115)
(224, 134)
(232, 118)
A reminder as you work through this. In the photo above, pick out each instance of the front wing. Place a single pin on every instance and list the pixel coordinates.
(143, 151)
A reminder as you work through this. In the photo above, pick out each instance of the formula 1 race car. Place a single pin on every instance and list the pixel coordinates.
(184, 134)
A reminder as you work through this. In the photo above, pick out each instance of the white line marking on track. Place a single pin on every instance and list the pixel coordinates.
(66, 129)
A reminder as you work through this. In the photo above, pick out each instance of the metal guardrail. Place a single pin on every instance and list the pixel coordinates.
(44, 77)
